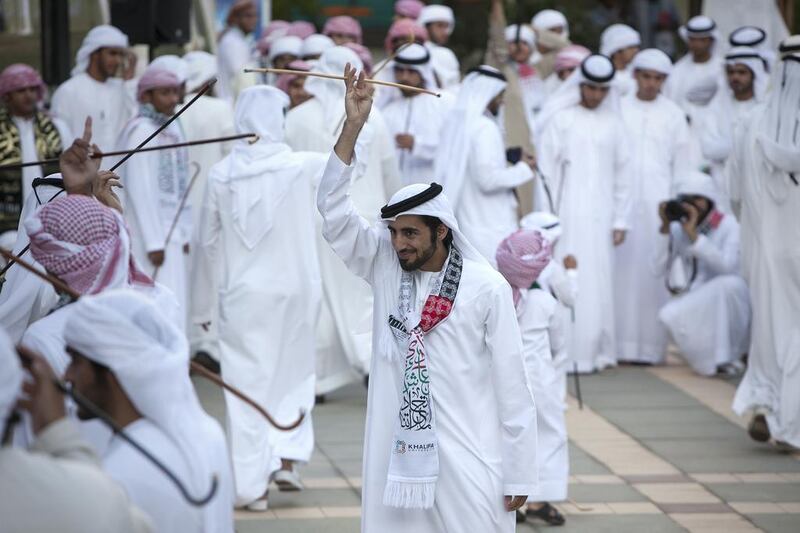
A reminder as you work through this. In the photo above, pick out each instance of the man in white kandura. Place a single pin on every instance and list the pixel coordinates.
(59, 467)
(621, 43)
(155, 183)
(234, 51)
(95, 88)
(709, 318)
(584, 158)
(451, 423)
(746, 87)
(415, 120)
(471, 163)
(694, 80)
(439, 21)
(521, 258)
(129, 360)
(659, 140)
(764, 185)
(260, 199)
(344, 329)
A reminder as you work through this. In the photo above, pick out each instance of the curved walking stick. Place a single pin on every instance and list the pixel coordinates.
(204, 372)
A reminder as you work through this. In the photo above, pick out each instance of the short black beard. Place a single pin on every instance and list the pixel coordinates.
(425, 256)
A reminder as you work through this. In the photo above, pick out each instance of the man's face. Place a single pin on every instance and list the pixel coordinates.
(519, 51)
(592, 95)
(247, 20)
(297, 92)
(649, 82)
(108, 60)
(622, 58)
(700, 46)
(164, 99)
(408, 76)
(22, 102)
(341, 39)
(89, 381)
(438, 32)
(565, 73)
(740, 79)
(283, 60)
(413, 241)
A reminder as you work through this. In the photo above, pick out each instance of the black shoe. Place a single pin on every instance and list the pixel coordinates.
(521, 517)
(319, 399)
(758, 429)
(548, 513)
(207, 362)
(366, 382)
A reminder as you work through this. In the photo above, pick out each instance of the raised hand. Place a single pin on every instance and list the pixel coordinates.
(357, 104)
(77, 168)
(358, 98)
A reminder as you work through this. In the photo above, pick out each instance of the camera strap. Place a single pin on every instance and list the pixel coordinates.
(672, 257)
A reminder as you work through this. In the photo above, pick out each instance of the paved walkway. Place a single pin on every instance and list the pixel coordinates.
(654, 450)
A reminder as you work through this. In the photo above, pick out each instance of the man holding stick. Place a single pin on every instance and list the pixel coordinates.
(155, 184)
(447, 357)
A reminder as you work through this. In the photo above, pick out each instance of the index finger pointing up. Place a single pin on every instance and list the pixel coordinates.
(87, 129)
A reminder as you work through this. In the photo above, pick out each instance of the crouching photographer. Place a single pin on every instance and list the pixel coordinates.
(709, 313)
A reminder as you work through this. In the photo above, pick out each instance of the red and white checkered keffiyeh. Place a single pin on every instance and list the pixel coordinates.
(521, 257)
(85, 244)
(20, 76)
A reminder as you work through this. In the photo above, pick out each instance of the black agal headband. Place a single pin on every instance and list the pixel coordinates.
(390, 211)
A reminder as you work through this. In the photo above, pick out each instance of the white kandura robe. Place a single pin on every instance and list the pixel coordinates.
(687, 74)
(445, 65)
(234, 52)
(584, 154)
(659, 146)
(210, 117)
(422, 117)
(487, 205)
(769, 203)
(719, 120)
(151, 197)
(59, 486)
(710, 322)
(269, 299)
(485, 415)
(148, 487)
(543, 344)
(26, 298)
(344, 329)
(110, 104)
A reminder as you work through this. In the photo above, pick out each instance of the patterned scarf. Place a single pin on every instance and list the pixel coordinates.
(173, 165)
(414, 460)
(48, 146)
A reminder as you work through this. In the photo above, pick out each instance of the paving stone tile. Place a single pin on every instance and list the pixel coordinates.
(625, 508)
(595, 479)
(676, 493)
(663, 478)
(760, 478)
(756, 508)
(793, 507)
(715, 478)
(757, 492)
(615, 523)
(584, 508)
(604, 493)
(672, 508)
(341, 512)
(771, 523)
(713, 522)
(328, 525)
(298, 513)
(312, 498)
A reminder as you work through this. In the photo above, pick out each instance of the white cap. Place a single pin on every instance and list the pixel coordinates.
(617, 37)
(652, 59)
(525, 34)
(547, 19)
(697, 183)
(315, 44)
(174, 64)
(286, 45)
(437, 13)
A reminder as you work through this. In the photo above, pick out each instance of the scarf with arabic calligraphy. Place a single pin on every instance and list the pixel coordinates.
(414, 460)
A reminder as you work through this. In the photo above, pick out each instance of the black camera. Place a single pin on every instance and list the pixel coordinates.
(674, 210)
